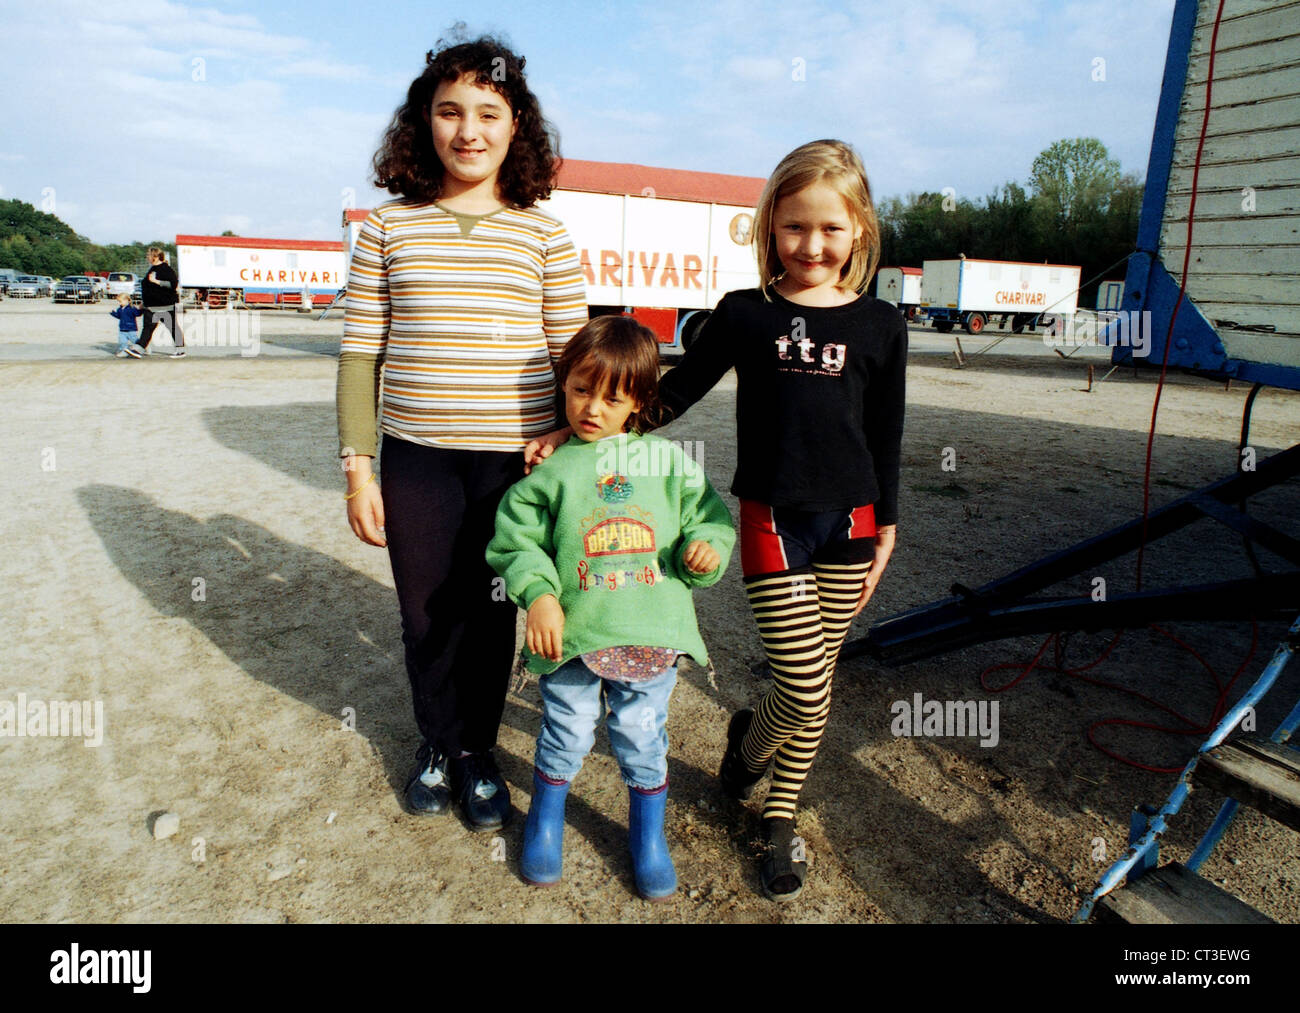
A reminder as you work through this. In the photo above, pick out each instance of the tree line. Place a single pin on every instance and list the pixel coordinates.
(36, 242)
(1076, 208)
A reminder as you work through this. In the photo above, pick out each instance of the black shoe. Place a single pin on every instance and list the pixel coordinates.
(784, 867)
(428, 792)
(480, 791)
(737, 780)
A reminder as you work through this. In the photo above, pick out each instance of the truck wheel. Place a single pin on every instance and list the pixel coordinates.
(943, 326)
(692, 329)
(975, 323)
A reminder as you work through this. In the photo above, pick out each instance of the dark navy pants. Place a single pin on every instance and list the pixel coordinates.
(458, 628)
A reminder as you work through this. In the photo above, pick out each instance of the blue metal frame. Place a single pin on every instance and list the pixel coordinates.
(1148, 284)
(1142, 851)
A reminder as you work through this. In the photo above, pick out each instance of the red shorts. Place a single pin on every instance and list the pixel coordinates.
(779, 540)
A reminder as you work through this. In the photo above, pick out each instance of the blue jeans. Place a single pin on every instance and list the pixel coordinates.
(125, 338)
(574, 699)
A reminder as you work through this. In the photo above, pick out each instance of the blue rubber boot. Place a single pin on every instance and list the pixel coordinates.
(543, 857)
(656, 879)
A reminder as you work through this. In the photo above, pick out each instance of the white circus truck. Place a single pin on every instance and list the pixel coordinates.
(900, 286)
(974, 292)
(662, 245)
(270, 273)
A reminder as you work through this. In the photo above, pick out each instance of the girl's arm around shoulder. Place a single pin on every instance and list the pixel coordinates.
(704, 364)
(523, 549)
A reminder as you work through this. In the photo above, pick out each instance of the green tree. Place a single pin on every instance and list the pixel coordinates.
(1073, 180)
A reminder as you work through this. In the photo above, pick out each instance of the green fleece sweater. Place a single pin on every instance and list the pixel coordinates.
(603, 526)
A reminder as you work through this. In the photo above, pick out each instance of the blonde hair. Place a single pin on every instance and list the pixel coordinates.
(837, 165)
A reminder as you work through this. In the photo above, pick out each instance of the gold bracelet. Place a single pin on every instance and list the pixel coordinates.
(360, 487)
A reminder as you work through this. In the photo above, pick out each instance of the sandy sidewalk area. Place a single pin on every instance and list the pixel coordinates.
(177, 549)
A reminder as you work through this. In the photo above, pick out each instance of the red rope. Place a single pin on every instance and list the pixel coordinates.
(1193, 727)
(1182, 290)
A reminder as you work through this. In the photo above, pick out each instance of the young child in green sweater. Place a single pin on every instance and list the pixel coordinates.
(602, 545)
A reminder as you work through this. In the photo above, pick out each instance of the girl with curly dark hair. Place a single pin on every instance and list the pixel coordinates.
(407, 162)
(461, 296)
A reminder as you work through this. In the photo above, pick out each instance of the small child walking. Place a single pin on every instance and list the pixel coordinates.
(602, 546)
(126, 329)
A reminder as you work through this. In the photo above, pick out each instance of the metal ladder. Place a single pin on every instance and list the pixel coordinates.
(1261, 773)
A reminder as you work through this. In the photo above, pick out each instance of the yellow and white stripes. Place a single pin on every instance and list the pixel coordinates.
(468, 323)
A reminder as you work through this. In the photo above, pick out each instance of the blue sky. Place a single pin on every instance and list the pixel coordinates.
(141, 120)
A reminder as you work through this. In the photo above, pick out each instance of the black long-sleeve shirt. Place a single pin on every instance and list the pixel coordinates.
(819, 404)
(167, 289)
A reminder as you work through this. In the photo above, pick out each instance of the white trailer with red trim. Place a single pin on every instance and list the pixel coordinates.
(663, 245)
(260, 272)
(900, 286)
(972, 292)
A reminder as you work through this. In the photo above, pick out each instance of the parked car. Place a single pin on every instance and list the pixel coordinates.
(75, 288)
(100, 284)
(7, 277)
(26, 286)
(121, 283)
(47, 285)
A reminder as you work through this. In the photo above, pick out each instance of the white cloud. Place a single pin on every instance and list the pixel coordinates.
(954, 92)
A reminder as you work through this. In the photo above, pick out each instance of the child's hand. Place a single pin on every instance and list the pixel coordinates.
(543, 447)
(701, 557)
(545, 632)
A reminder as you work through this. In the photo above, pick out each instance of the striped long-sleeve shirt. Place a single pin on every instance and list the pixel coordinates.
(466, 315)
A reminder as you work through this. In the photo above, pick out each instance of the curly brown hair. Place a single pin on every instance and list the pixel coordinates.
(406, 163)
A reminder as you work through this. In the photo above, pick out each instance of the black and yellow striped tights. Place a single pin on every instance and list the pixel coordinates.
(802, 620)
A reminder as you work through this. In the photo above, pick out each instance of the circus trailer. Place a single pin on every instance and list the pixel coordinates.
(662, 245)
(260, 272)
(900, 286)
(973, 292)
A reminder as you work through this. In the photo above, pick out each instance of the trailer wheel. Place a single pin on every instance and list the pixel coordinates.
(975, 323)
(943, 326)
(692, 329)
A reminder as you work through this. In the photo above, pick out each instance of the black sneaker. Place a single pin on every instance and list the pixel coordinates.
(784, 866)
(480, 791)
(428, 792)
(737, 780)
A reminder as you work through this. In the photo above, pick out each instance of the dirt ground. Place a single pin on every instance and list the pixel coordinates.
(176, 548)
